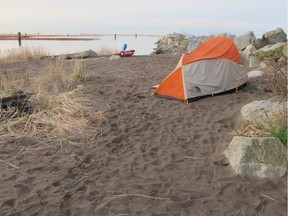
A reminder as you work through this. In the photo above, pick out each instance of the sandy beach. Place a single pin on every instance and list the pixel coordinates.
(149, 155)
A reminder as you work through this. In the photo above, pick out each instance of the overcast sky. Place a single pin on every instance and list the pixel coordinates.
(195, 17)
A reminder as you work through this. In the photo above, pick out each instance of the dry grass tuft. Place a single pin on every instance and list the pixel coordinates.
(56, 115)
(54, 109)
(55, 80)
(24, 54)
(105, 51)
(274, 125)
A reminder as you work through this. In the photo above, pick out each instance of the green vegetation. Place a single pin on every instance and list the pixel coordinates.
(273, 125)
(279, 83)
(281, 134)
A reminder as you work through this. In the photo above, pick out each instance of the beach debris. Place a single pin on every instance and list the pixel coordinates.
(81, 55)
(257, 156)
(17, 100)
(115, 57)
(7, 163)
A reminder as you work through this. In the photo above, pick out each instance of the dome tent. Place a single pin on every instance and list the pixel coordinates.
(212, 68)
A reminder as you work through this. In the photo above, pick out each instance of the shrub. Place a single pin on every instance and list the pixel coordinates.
(278, 78)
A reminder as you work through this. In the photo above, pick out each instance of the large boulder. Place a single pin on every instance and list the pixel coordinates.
(264, 112)
(271, 51)
(259, 43)
(244, 40)
(257, 156)
(248, 51)
(276, 36)
(248, 55)
(269, 38)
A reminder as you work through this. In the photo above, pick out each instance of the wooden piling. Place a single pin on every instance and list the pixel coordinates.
(19, 38)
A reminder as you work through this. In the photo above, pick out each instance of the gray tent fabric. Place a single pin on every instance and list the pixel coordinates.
(208, 77)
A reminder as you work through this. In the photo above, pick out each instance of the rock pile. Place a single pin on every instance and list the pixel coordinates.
(172, 43)
(196, 41)
(272, 45)
(179, 43)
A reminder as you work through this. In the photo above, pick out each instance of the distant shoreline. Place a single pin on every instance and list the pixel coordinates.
(76, 37)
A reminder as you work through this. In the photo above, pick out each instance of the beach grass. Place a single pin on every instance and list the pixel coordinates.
(24, 54)
(54, 108)
(105, 51)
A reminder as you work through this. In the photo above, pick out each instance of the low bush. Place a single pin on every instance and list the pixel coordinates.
(278, 78)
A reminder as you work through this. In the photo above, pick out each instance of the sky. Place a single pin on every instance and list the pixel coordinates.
(201, 17)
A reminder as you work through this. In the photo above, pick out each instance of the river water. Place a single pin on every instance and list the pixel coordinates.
(143, 45)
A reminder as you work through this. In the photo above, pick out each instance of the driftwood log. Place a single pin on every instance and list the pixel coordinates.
(14, 101)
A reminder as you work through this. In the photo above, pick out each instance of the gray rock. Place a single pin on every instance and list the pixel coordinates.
(264, 64)
(264, 112)
(248, 56)
(248, 51)
(244, 40)
(285, 51)
(254, 61)
(261, 156)
(271, 51)
(276, 36)
(259, 43)
(253, 74)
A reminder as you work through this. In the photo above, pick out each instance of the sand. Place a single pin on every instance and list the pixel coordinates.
(149, 155)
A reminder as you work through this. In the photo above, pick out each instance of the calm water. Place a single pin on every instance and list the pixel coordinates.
(142, 45)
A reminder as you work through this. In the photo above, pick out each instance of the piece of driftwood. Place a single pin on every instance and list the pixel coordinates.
(15, 100)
